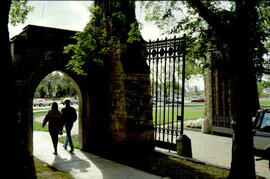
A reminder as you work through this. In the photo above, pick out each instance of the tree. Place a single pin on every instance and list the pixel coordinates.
(178, 17)
(9, 90)
(112, 22)
(17, 159)
(240, 32)
(239, 36)
(56, 83)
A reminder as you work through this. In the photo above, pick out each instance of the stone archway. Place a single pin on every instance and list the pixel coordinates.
(80, 95)
(116, 113)
(37, 52)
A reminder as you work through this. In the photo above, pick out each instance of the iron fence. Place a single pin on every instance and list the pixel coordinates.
(166, 59)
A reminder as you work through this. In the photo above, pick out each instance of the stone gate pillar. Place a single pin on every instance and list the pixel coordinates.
(130, 113)
(217, 94)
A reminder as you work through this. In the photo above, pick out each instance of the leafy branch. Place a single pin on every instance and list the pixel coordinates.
(19, 11)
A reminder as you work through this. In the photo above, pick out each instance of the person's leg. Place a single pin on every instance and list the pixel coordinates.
(54, 137)
(66, 140)
(55, 141)
(68, 130)
(66, 143)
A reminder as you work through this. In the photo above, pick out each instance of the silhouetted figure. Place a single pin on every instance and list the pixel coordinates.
(54, 118)
(69, 116)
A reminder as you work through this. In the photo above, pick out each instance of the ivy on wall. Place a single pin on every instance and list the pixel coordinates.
(108, 27)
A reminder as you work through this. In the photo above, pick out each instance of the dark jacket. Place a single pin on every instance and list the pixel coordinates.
(54, 119)
(69, 115)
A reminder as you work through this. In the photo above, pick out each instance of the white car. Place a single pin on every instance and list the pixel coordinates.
(262, 133)
(41, 102)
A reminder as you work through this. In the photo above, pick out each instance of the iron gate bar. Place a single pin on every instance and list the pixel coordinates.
(178, 92)
(165, 98)
(156, 85)
(160, 108)
(174, 57)
(183, 83)
(163, 56)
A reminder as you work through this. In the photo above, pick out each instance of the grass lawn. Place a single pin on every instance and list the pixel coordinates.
(39, 113)
(176, 168)
(189, 114)
(264, 102)
(43, 171)
(75, 139)
(37, 126)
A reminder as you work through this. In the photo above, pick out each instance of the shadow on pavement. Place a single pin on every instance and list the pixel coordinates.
(73, 163)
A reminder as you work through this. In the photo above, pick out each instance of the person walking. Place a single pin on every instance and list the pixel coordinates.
(54, 118)
(69, 116)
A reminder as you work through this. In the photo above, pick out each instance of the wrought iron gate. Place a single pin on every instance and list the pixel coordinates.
(166, 59)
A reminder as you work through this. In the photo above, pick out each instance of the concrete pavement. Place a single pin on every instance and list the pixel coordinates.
(212, 149)
(216, 150)
(82, 165)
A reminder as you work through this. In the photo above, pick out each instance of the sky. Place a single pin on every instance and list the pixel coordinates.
(74, 15)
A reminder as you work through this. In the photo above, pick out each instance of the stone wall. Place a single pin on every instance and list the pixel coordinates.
(131, 110)
(115, 108)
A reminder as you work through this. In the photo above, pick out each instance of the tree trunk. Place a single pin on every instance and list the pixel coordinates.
(239, 35)
(243, 79)
(16, 162)
(242, 164)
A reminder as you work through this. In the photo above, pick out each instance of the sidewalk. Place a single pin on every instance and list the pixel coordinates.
(211, 149)
(82, 165)
(216, 150)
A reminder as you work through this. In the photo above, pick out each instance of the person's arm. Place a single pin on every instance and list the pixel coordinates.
(45, 121)
(74, 117)
(75, 114)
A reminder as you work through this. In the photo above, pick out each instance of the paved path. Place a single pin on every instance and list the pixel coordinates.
(212, 149)
(83, 165)
(216, 150)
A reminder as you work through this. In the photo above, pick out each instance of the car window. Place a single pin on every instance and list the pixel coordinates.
(266, 120)
(258, 120)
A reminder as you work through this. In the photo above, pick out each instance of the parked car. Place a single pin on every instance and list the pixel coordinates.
(41, 102)
(198, 100)
(261, 131)
(173, 100)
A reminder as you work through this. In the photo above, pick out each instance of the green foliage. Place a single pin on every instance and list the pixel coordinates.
(174, 17)
(134, 33)
(177, 17)
(263, 85)
(264, 21)
(57, 83)
(101, 35)
(19, 11)
(93, 44)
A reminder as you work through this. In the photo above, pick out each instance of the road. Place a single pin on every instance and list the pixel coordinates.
(216, 150)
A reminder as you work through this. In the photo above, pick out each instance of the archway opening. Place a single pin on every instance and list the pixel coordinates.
(57, 87)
